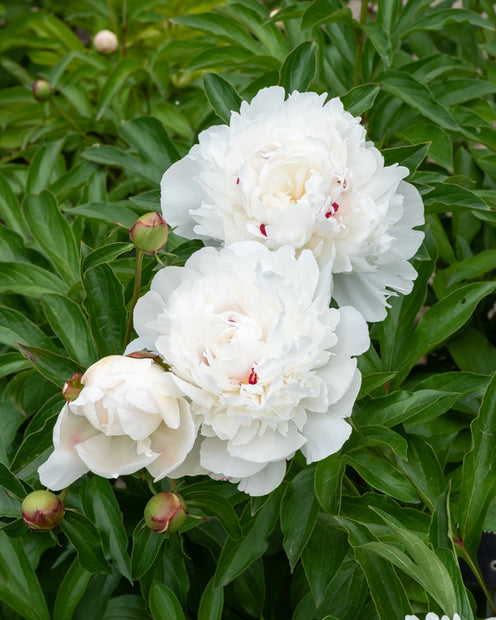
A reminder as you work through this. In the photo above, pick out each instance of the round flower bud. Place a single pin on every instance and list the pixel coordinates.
(105, 42)
(165, 512)
(42, 91)
(42, 510)
(150, 232)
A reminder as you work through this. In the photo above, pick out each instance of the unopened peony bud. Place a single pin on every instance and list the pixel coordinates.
(149, 234)
(165, 512)
(42, 510)
(105, 42)
(73, 387)
(42, 91)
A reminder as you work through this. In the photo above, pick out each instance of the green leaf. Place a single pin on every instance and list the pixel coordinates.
(471, 268)
(380, 40)
(323, 12)
(211, 602)
(105, 254)
(70, 591)
(86, 540)
(10, 210)
(19, 586)
(452, 197)
(126, 607)
(42, 166)
(16, 327)
(53, 234)
(104, 304)
(416, 95)
(148, 136)
(221, 26)
(11, 363)
(472, 351)
(56, 368)
(71, 326)
(146, 545)
(9, 482)
(322, 558)
(108, 212)
(29, 280)
(441, 321)
(410, 156)
(376, 435)
(236, 556)
(328, 482)
(386, 589)
(360, 98)
(477, 488)
(438, 19)
(114, 83)
(211, 505)
(221, 95)
(299, 510)
(423, 470)
(380, 474)
(299, 67)
(101, 507)
(164, 604)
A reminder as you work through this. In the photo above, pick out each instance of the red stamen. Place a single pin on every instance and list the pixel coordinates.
(335, 206)
(237, 181)
(262, 230)
(252, 377)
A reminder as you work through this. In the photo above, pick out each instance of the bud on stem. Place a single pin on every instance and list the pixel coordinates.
(42, 510)
(150, 232)
(165, 512)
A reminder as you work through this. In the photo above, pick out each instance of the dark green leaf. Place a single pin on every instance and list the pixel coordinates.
(146, 545)
(211, 505)
(56, 368)
(86, 540)
(111, 213)
(211, 603)
(115, 81)
(221, 95)
(112, 156)
(360, 98)
(70, 591)
(10, 210)
(42, 166)
(410, 156)
(298, 69)
(323, 12)
(164, 604)
(29, 280)
(104, 304)
(328, 482)
(52, 233)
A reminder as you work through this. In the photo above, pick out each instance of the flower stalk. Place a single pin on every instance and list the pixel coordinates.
(136, 291)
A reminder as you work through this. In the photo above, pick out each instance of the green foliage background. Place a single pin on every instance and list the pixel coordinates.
(372, 532)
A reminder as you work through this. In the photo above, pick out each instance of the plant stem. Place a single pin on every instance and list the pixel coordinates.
(136, 292)
(476, 571)
(124, 27)
(112, 15)
(361, 40)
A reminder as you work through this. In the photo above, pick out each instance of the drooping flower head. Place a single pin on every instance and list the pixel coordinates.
(128, 415)
(300, 172)
(250, 338)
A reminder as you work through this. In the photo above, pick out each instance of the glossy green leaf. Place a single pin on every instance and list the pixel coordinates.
(328, 482)
(112, 156)
(70, 591)
(104, 304)
(438, 19)
(299, 67)
(70, 325)
(211, 602)
(237, 555)
(360, 98)
(211, 505)
(376, 435)
(409, 156)
(164, 604)
(11, 363)
(105, 254)
(19, 586)
(299, 510)
(126, 607)
(86, 540)
(101, 507)
(42, 166)
(379, 473)
(56, 368)
(10, 209)
(29, 280)
(53, 234)
(9, 482)
(110, 213)
(324, 12)
(221, 95)
(477, 487)
(146, 545)
(471, 268)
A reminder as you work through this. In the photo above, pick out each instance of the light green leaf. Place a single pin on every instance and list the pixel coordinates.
(114, 83)
(29, 280)
(42, 166)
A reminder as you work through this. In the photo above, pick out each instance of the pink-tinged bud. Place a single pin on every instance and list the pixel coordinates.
(165, 512)
(42, 510)
(149, 234)
(105, 42)
(73, 387)
(42, 91)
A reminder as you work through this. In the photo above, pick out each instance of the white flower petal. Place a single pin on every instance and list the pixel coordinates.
(265, 481)
(215, 458)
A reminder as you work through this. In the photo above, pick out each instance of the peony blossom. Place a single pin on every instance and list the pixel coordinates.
(129, 415)
(300, 172)
(250, 338)
(432, 616)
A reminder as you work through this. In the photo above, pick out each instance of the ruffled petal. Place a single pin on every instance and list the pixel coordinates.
(265, 481)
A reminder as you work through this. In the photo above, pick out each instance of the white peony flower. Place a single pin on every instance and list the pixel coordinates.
(129, 415)
(301, 173)
(250, 338)
(432, 616)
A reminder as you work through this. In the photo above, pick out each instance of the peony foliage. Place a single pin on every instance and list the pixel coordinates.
(247, 310)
